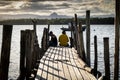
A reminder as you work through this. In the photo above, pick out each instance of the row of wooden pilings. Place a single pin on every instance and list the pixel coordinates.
(30, 53)
(78, 42)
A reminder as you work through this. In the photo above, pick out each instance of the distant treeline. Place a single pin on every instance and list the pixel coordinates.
(109, 20)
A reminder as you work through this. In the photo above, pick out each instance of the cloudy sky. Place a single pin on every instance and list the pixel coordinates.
(33, 8)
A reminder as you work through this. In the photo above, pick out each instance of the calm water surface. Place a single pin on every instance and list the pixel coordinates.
(100, 30)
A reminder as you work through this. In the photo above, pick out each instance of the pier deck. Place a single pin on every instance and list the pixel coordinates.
(62, 63)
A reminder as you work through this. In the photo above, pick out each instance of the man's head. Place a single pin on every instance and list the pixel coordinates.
(51, 33)
(63, 32)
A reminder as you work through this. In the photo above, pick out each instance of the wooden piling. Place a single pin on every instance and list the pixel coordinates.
(71, 38)
(44, 39)
(77, 41)
(48, 35)
(76, 21)
(96, 58)
(82, 50)
(116, 55)
(34, 25)
(106, 58)
(5, 51)
(37, 53)
(29, 52)
(22, 56)
(88, 36)
(75, 33)
(34, 46)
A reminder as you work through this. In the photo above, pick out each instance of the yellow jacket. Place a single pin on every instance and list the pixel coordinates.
(63, 39)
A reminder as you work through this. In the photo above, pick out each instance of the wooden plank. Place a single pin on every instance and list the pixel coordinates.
(75, 57)
(49, 64)
(86, 74)
(76, 71)
(55, 71)
(70, 67)
(52, 64)
(50, 69)
(39, 72)
(40, 69)
(65, 67)
(44, 68)
(60, 64)
(44, 74)
(81, 69)
(57, 62)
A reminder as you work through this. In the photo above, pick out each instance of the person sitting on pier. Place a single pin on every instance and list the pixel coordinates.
(63, 39)
(53, 39)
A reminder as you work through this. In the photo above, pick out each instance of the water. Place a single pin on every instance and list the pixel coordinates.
(100, 30)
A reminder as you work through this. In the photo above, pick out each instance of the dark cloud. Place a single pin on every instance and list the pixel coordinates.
(47, 7)
(96, 10)
(37, 6)
(33, 0)
(46, 0)
(64, 5)
(7, 10)
(3, 3)
(31, 6)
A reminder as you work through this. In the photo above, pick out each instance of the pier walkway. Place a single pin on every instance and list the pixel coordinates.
(62, 63)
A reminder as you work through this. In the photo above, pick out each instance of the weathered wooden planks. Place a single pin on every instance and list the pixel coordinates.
(62, 63)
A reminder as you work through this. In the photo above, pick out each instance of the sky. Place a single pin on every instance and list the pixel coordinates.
(38, 8)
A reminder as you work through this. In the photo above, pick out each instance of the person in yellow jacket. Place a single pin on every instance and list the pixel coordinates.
(63, 39)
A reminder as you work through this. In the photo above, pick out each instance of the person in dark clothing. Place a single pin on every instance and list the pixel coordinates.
(53, 39)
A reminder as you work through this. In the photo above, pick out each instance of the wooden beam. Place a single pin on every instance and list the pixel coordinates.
(22, 56)
(29, 52)
(106, 58)
(5, 52)
(81, 40)
(75, 33)
(117, 25)
(88, 36)
(96, 54)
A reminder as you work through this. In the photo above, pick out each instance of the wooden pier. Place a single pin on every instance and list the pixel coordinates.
(49, 63)
(58, 63)
(63, 63)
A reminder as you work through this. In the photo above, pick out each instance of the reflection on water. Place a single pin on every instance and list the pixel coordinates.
(99, 30)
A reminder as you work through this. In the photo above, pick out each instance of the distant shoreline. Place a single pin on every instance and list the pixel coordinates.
(57, 21)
